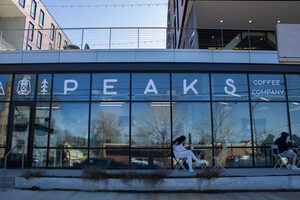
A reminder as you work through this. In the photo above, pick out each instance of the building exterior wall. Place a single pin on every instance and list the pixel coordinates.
(124, 115)
(15, 38)
(288, 43)
(23, 28)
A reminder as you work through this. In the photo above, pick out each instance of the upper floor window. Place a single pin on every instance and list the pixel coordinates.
(33, 9)
(41, 20)
(59, 40)
(52, 32)
(39, 40)
(29, 47)
(22, 3)
(30, 31)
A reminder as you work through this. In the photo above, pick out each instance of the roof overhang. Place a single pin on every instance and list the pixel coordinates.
(237, 14)
(10, 8)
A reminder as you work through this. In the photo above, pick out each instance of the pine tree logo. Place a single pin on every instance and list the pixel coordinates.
(44, 87)
(2, 92)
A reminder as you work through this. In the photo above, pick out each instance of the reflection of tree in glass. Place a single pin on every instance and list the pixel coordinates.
(153, 125)
(193, 121)
(107, 128)
(225, 120)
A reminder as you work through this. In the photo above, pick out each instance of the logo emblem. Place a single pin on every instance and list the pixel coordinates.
(24, 87)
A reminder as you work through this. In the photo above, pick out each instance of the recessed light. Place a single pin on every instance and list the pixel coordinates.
(221, 21)
(278, 21)
(250, 21)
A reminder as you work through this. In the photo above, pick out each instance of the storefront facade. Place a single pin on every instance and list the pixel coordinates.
(125, 115)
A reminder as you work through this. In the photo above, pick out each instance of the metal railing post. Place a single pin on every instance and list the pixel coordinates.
(138, 42)
(82, 35)
(19, 144)
(109, 45)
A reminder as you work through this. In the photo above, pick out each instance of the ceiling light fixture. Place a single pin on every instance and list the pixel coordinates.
(221, 21)
(250, 21)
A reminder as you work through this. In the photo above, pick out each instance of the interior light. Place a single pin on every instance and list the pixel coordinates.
(236, 95)
(295, 103)
(221, 21)
(250, 21)
(224, 103)
(212, 37)
(265, 99)
(278, 21)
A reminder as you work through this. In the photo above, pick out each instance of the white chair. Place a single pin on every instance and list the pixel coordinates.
(279, 160)
(179, 163)
(220, 159)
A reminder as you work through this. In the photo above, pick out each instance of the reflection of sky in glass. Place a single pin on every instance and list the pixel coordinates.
(231, 123)
(193, 121)
(265, 87)
(295, 121)
(121, 87)
(197, 82)
(269, 120)
(160, 81)
(109, 123)
(151, 124)
(81, 93)
(293, 86)
(232, 83)
(4, 89)
(71, 118)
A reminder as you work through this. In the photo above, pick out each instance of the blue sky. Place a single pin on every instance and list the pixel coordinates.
(131, 15)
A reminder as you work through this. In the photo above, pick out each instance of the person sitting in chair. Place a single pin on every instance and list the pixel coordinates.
(181, 152)
(285, 150)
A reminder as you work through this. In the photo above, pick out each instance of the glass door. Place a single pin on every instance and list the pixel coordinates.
(21, 131)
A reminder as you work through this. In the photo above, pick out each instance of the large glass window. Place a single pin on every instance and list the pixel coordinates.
(294, 108)
(269, 120)
(293, 87)
(111, 87)
(24, 87)
(190, 86)
(151, 124)
(33, 9)
(108, 158)
(150, 86)
(229, 87)
(267, 87)
(44, 87)
(150, 158)
(5, 86)
(231, 124)
(109, 124)
(66, 157)
(71, 87)
(69, 122)
(4, 107)
(41, 126)
(192, 120)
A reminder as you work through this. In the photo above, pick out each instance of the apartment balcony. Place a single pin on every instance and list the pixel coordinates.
(5, 46)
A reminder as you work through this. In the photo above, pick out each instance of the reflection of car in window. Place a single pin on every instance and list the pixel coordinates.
(104, 163)
(143, 162)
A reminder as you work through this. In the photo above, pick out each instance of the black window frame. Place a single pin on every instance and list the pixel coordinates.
(41, 22)
(52, 31)
(30, 36)
(59, 40)
(22, 3)
(39, 40)
(33, 14)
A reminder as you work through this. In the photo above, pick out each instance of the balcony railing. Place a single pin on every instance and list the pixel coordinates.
(146, 38)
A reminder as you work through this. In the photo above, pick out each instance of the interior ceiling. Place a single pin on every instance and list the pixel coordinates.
(236, 14)
(9, 9)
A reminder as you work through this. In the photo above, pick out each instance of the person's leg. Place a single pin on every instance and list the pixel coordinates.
(190, 164)
(294, 159)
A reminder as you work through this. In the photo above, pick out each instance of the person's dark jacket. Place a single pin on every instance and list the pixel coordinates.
(282, 144)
